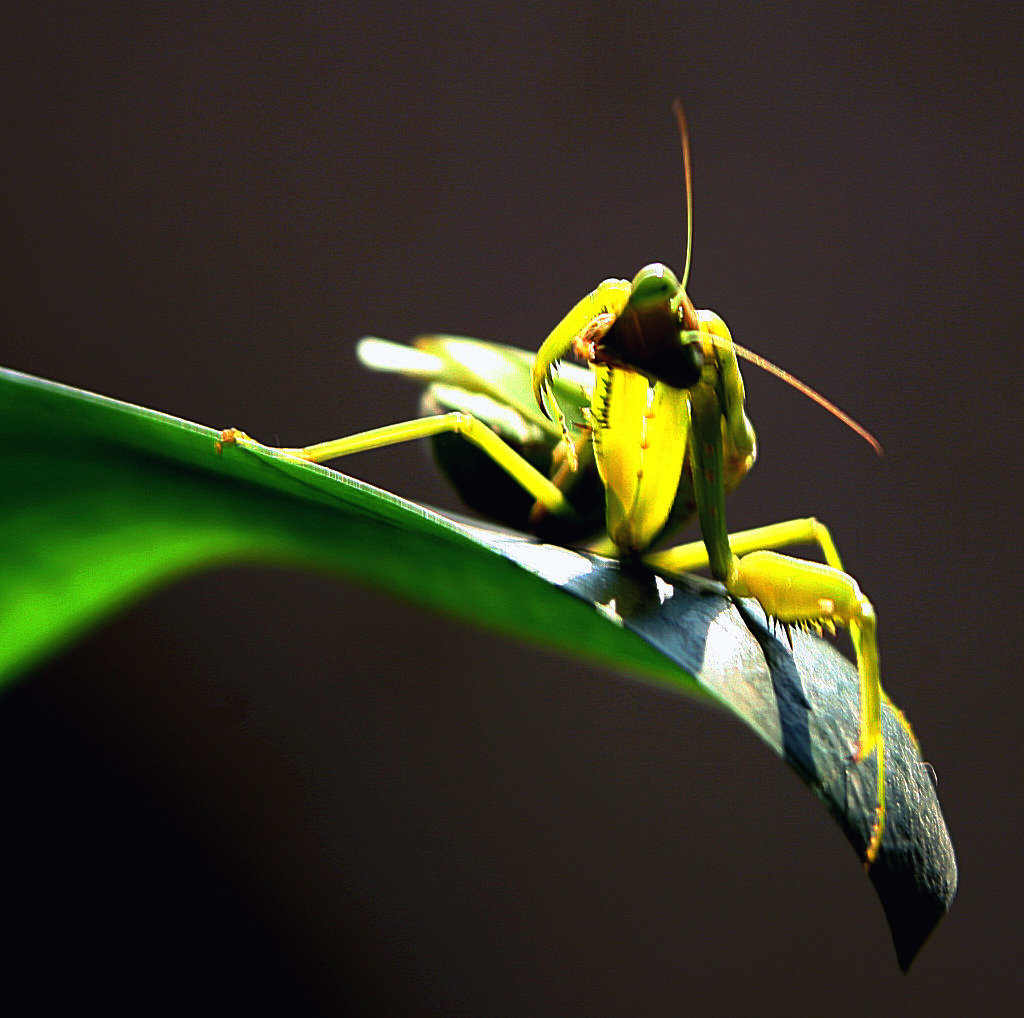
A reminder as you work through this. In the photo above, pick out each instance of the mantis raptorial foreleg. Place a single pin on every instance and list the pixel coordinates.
(586, 321)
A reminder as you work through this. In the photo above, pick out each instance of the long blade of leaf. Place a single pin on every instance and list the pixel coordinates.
(102, 501)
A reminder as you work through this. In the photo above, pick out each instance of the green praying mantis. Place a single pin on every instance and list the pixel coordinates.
(652, 431)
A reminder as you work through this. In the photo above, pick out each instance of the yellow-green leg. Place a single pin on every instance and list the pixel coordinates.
(456, 422)
(592, 316)
(794, 590)
(685, 557)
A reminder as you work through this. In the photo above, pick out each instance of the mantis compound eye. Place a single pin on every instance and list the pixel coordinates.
(654, 284)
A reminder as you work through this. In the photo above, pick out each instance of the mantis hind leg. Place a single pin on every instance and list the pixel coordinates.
(540, 487)
(809, 530)
(794, 590)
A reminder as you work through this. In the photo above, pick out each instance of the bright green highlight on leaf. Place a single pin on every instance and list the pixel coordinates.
(105, 500)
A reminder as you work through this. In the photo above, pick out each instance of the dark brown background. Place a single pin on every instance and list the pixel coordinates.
(265, 789)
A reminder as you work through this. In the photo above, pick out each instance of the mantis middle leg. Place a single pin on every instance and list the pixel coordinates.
(540, 487)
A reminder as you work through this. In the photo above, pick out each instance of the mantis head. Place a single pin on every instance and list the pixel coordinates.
(651, 335)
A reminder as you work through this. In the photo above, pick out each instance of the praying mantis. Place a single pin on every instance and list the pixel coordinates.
(649, 431)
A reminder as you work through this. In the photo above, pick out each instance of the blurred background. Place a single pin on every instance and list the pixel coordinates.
(267, 790)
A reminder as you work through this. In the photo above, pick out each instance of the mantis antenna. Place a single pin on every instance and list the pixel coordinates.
(684, 138)
(749, 355)
(773, 369)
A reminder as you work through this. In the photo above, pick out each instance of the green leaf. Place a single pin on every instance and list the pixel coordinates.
(103, 501)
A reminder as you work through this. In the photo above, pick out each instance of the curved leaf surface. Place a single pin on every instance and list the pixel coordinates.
(103, 501)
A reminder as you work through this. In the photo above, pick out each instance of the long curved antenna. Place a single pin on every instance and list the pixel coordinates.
(790, 379)
(684, 137)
